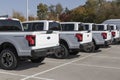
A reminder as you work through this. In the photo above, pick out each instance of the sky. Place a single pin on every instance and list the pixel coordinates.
(8, 6)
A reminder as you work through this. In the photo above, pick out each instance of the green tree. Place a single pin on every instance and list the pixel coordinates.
(55, 11)
(118, 2)
(66, 10)
(42, 11)
(66, 15)
(80, 14)
(52, 13)
(31, 17)
(18, 15)
(58, 10)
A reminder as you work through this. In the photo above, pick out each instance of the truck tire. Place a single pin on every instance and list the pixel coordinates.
(37, 60)
(89, 49)
(8, 59)
(74, 53)
(97, 47)
(64, 52)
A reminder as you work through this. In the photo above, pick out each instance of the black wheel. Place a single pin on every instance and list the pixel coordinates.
(37, 60)
(8, 59)
(97, 47)
(74, 53)
(64, 52)
(89, 49)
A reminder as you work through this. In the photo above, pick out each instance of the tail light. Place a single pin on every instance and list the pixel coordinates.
(31, 39)
(79, 37)
(104, 35)
(113, 34)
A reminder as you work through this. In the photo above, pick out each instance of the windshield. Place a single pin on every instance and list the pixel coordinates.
(54, 26)
(10, 25)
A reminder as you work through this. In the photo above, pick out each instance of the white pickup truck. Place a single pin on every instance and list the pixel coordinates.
(105, 31)
(16, 44)
(115, 33)
(85, 35)
(97, 38)
(69, 40)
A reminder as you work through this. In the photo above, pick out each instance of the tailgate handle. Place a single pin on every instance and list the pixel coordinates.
(48, 37)
(87, 35)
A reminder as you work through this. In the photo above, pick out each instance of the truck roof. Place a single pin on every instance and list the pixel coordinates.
(113, 20)
(4, 18)
(101, 24)
(40, 21)
(70, 22)
(88, 23)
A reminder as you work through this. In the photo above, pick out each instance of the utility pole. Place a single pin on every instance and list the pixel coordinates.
(27, 10)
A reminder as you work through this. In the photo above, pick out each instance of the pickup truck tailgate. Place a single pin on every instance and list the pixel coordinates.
(109, 35)
(87, 37)
(46, 40)
(116, 33)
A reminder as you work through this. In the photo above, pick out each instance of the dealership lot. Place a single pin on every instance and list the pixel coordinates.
(101, 65)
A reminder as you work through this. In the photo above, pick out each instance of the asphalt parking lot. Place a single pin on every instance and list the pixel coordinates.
(102, 65)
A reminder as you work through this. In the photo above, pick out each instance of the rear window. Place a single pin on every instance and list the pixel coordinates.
(81, 27)
(98, 27)
(10, 25)
(38, 26)
(86, 27)
(26, 26)
(54, 26)
(67, 27)
(112, 27)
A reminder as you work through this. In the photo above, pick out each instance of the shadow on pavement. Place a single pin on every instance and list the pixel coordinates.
(23, 65)
(69, 57)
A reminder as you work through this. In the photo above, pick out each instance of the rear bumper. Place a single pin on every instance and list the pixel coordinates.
(82, 46)
(116, 39)
(108, 42)
(44, 52)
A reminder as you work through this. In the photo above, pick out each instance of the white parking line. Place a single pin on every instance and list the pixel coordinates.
(54, 62)
(96, 66)
(57, 67)
(42, 78)
(108, 57)
(14, 74)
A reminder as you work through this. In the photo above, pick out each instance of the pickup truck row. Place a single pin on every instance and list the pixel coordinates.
(35, 40)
